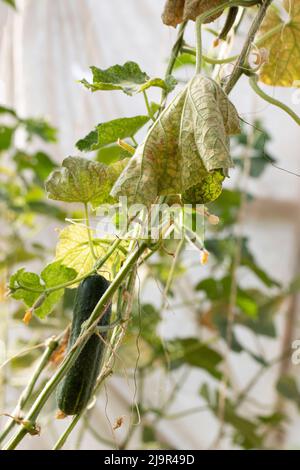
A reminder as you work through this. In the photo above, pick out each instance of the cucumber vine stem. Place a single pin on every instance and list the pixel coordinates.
(198, 26)
(174, 54)
(209, 60)
(51, 345)
(150, 113)
(214, 61)
(255, 87)
(87, 221)
(107, 369)
(62, 439)
(238, 67)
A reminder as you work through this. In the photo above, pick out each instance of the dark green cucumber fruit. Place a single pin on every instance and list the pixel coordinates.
(76, 388)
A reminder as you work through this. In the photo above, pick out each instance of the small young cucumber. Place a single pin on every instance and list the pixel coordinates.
(76, 388)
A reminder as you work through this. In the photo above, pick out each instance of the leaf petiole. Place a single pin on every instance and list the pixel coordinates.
(255, 87)
(87, 221)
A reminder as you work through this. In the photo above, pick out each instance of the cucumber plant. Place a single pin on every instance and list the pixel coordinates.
(185, 156)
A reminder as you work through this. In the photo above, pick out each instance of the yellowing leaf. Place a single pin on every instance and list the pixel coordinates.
(187, 149)
(73, 251)
(82, 180)
(177, 11)
(282, 68)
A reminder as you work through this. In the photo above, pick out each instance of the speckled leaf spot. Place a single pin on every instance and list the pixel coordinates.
(282, 67)
(178, 11)
(187, 149)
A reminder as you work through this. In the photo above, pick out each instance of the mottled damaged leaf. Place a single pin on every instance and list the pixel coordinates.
(282, 67)
(178, 11)
(109, 132)
(128, 77)
(187, 149)
(81, 180)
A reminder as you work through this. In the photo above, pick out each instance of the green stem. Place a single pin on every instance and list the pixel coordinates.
(198, 44)
(25, 395)
(172, 271)
(87, 221)
(210, 60)
(134, 143)
(77, 347)
(107, 369)
(150, 114)
(62, 439)
(174, 53)
(214, 61)
(238, 67)
(188, 411)
(253, 82)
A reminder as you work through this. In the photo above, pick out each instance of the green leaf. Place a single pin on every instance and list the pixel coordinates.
(288, 388)
(246, 434)
(56, 273)
(111, 154)
(258, 164)
(187, 149)
(246, 303)
(260, 273)
(6, 110)
(193, 352)
(128, 77)
(41, 129)
(82, 180)
(40, 163)
(53, 275)
(148, 434)
(44, 208)
(211, 287)
(281, 68)
(273, 419)
(25, 286)
(6, 135)
(109, 132)
(226, 206)
(73, 250)
(246, 430)
(263, 324)
(29, 286)
(183, 60)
